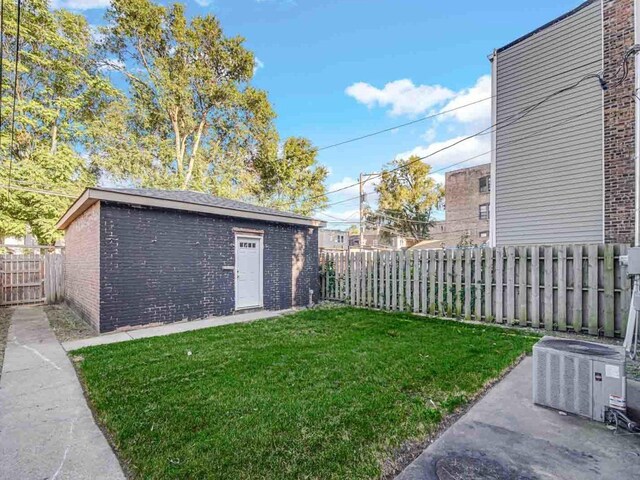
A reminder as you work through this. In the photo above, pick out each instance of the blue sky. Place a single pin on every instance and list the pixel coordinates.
(337, 69)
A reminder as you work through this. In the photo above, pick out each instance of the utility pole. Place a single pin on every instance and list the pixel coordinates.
(363, 178)
(361, 229)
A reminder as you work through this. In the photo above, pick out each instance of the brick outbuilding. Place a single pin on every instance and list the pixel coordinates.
(137, 257)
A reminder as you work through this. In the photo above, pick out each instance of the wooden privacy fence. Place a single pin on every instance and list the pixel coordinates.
(31, 278)
(583, 288)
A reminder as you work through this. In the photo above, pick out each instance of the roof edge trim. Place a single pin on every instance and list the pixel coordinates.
(91, 196)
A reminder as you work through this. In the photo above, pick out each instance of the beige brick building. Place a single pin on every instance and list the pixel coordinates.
(467, 196)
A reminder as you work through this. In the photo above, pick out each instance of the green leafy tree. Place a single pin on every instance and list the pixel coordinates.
(466, 241)
(61, 91)
(291, 179)
(408, 198)
(191, 119)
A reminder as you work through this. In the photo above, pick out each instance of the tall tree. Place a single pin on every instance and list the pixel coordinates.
(290, 178)
(60, 92)
(408, 198)
(191, 119)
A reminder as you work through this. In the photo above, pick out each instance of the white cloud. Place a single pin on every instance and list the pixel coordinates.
(480, 112)
(204, 3)
(257, 65)
(81, 4)
(402, 96)
(430, 135)
(455, 154)
(438, 177)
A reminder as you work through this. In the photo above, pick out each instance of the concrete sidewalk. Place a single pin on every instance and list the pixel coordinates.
(505, 436)
(46, 428)
(171, 328)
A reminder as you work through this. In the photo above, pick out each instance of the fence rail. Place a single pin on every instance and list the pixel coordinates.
(31, 278)
(582, 288)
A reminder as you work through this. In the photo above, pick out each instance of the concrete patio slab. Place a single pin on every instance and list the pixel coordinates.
(46, 428)
(505, 436)
(171, 328)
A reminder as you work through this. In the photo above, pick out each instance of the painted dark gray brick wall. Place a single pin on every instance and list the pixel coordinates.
(159, 266)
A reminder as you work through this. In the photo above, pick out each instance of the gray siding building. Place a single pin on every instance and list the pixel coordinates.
(558, 171)
(139, 257)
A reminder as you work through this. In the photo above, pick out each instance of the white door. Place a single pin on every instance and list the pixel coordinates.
(248, 272)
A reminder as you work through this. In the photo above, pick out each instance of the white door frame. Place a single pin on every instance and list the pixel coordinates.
(259, 239)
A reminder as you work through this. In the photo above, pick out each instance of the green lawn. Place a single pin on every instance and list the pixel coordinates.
(327, 393)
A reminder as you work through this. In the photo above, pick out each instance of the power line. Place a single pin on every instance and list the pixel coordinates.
(428, 117)
(518, 116)
(15, 95)
(36, 190)
(562, 122)
(529, 110)
(413, 122)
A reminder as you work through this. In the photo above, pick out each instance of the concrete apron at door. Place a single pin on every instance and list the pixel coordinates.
(46, 428)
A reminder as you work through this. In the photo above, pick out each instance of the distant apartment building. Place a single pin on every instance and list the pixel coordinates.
(377, 240)
(335, 240)
(467, 208)
(564, 172)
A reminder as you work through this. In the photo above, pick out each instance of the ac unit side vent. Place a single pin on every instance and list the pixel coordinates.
(565, 377)
(583, 381)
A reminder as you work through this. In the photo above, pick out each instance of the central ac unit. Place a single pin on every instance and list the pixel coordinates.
(579, 377)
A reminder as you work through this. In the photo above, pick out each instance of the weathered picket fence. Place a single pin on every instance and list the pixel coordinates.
(583, 288)
(31, 278)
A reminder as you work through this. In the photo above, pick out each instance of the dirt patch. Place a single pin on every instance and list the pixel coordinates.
(5, 320)
(66, 324)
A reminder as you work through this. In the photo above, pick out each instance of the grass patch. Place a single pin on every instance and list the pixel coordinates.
(320, 394)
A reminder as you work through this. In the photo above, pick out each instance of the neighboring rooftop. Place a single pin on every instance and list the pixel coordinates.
(181, 200)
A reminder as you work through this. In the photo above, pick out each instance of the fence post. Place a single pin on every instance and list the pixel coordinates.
(458, 274)
(548, 288)
(450, 299)
(592, 296)
(562, 288)
(523, 263)
(609, 279)
(511, 266)
(394, 280)
(488, 284)
(440, 304)
(416, 281)
(468, 254)
(407, 281)
(477, 252)
(535, 286)
(577, 288)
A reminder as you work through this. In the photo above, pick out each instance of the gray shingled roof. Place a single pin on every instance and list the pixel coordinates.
(198, 198)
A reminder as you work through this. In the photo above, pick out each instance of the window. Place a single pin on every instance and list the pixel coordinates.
(484, 234)
(247, 244)
(485, 184)
(483, 211)
(340, 239)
